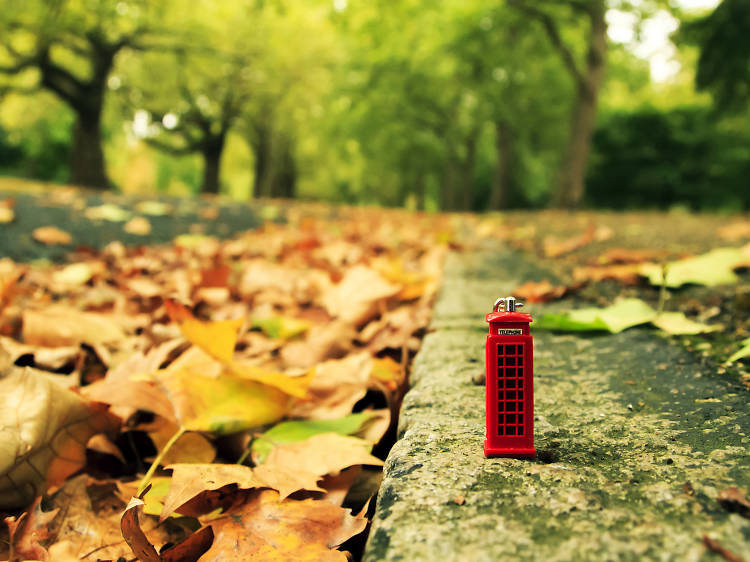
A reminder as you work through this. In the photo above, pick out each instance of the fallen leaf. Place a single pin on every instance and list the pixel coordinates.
(554, 247)
(338, 486)
(714, 546)
(677, 323)
(189, 480)
(29, 530)
(539, 291)
(734, 231)
(325, 453)
(624, 314)
(107, 212)
(221, 405)
(626, 273)
(266, 529)
(711, 269)
(45, 430)
(299, 430)
(51, 235)
(336, 387)
(741, 353)
(735, 500)
(281, 327)
(328, 341)
(355, 299)
(6, 214)
(154, 208)
(215, 338)
(58, 326)
(132, 533)
(89, 522)
(191, 447)
(628, 256)
(139, 226)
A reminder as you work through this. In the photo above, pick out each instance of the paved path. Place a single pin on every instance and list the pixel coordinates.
(635, 437)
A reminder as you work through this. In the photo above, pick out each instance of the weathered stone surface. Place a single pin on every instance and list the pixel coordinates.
(635, 441)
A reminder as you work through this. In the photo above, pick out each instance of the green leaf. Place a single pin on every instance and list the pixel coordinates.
(281, 327)
(743, 352)
(295, 431)
(108, 212)
(711, 269)
(676, 323)
(624, 314)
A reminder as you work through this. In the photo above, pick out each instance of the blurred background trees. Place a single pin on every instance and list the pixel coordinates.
(448, 104)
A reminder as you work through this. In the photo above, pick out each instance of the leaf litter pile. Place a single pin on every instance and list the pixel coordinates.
(210, 399)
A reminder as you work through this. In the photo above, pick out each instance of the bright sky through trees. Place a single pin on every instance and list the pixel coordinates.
(653, 44)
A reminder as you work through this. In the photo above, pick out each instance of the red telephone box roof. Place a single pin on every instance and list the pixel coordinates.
(495, 317)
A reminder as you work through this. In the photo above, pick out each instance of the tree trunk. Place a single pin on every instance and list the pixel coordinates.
(420, 189)
(285, 179)
(261, 143)
(87, 158)
(502, 182)
(571, 182)
(467, 196)
(212, 165)
(448, 187)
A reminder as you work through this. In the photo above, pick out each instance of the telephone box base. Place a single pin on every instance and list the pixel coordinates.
(513, 452)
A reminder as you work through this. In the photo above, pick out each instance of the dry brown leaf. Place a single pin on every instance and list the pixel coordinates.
(139, 226)
(735, 231)
(328, 341)
(51, 235)
(626, 273)
(45, 431)
(47, 358)
(189, 480)
(132, 533)
(325, 453)
(60, 326)
(337, 486)
(266, 529)
(336, 386)
(554, 247)
(539, 291)
(624, 256)
(28, 531)
(735, 500)
(356, 298)
(88, 524)
(714, 546)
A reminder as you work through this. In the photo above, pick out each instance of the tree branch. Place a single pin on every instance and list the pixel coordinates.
(555, 38)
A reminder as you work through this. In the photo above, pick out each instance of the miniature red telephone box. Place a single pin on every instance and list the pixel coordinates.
(510, 382)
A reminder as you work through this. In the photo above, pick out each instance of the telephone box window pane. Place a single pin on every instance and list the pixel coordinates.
(500, 395)
(520, 394)
(510, 418)
(520, 361)
(510, 395)
(510, 430)
(499, 349)
(520, 418)
(511, 407)
(501, 406)
(510, 361)
(510, 383)
(500, 382)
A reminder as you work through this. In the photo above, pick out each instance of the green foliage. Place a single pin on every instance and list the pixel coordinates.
(724, 63)
(651, 158)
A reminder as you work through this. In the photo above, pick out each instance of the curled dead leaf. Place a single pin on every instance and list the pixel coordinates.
(264, 528)
(45, 431)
